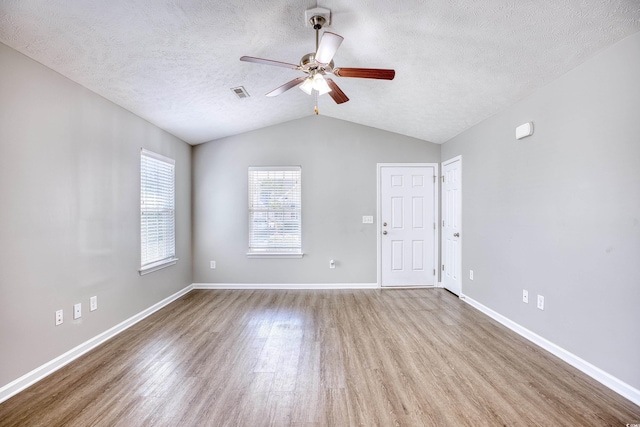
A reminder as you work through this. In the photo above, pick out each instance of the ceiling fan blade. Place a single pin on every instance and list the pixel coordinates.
(269, 62)
(336, 93)
(329, 44)
(285, 87)
(365, 73)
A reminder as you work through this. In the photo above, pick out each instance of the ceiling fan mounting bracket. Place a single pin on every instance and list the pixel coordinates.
(317, 22)
(317, 16)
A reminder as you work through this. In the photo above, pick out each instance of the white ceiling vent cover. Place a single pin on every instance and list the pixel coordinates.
(240, 92)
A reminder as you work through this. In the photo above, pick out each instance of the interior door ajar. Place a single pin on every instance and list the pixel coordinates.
(408, 240)
(451, 225)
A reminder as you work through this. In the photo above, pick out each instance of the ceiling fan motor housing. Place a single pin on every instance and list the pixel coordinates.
(309, 65)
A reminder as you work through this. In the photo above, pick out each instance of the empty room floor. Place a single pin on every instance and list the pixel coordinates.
(318, 358)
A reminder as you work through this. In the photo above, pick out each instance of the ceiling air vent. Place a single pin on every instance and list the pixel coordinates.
(240, 92)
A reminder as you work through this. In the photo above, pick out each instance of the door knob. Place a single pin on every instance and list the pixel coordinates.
(384, 232)
(456, 234)
(384, 224)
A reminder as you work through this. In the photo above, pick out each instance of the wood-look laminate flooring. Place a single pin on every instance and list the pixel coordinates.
(318, 358)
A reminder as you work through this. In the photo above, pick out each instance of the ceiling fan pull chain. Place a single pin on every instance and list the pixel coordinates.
(315, 108)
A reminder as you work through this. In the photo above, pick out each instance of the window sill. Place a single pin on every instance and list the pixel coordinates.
(275, 255)
(157, 266)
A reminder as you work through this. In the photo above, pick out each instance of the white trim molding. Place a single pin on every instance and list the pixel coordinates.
(50, 367)
(285, 286)
(606, 379)
(274, 255)
(157, 266)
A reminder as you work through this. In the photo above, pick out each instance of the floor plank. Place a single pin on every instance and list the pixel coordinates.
(318, 358)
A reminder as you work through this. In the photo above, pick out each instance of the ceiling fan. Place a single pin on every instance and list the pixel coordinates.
(319, 64)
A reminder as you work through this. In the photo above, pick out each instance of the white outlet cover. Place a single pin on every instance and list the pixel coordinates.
(470, 274)
(93, 303)
(525, 296)
(540, 302)
(59, 317)
(212, 264)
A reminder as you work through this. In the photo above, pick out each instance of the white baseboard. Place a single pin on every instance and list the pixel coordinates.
(409, 287)
(594, 372)
(285, 286)
(50, 367)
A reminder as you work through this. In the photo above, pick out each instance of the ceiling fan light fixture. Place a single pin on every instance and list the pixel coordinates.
(320, 84)
(307, 85)
(315, 82)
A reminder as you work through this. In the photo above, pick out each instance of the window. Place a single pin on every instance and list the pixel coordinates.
(275, 213)
(157, 212)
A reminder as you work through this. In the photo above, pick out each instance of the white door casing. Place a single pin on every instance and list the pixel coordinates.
(451, 225)
(407, 218)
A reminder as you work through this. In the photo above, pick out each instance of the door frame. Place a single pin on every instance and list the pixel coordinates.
(440, 228)
(436, 213)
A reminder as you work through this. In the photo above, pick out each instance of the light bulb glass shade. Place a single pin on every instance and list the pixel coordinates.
(307, 86)
(320, 84)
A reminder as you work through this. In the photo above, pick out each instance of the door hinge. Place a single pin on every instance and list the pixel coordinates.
(442, 178)
(442, 267)
(434, 271)
(443, 222)
(434, 178)
(434, 225)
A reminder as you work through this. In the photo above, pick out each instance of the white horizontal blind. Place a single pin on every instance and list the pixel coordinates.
(275, 210)
(157, 208)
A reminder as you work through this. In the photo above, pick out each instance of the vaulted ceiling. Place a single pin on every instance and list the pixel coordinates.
(173, 62)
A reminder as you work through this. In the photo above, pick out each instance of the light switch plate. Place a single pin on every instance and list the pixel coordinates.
(367, 219)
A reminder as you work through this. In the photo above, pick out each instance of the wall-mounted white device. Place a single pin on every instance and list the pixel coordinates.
(524, 130)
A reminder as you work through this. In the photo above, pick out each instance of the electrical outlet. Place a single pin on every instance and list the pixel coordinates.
(93, 303)
(77, 310)
(212, 264)
(332, 264)
(59, 317)
(540, 302)
(470, 274)
(525, 296)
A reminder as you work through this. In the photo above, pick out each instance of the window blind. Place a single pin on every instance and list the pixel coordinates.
(157, 208)
(275, 210)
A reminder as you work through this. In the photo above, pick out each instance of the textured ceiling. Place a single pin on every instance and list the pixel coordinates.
(173, 62)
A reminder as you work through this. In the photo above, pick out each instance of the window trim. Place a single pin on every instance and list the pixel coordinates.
(171, 260)
(273, 252)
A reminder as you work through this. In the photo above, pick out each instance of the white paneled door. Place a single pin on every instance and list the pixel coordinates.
(451, 227)
(407, 222)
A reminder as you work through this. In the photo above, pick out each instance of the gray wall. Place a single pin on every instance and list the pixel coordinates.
(69, 216)
(338, 162)
(558, 213)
